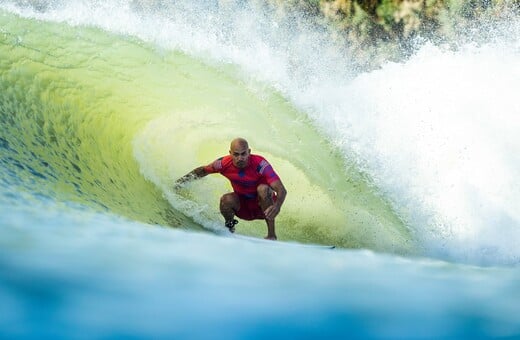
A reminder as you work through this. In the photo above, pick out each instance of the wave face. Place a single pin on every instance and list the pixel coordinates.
(104, 105)
(87, 116)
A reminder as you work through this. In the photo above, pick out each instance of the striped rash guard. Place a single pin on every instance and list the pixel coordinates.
(244, 181)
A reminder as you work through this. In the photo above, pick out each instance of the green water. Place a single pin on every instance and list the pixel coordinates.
(110, 121)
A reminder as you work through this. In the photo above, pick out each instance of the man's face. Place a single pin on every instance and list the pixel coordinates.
(240, 154)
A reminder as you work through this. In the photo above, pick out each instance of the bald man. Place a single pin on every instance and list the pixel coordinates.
(258, 192)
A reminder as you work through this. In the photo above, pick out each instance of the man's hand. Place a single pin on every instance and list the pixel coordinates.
(177, 185)
(190, 176)
(271, 212)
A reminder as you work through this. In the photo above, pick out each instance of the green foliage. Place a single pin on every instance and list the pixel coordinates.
(385, 12)
(373, 27)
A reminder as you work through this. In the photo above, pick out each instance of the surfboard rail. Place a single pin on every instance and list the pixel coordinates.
(281, 243)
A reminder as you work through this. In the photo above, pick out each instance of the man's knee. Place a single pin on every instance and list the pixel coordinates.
(229, 200)
(264, 191)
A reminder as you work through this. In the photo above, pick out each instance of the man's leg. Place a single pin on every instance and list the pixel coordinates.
(229, 205)
(265, 200)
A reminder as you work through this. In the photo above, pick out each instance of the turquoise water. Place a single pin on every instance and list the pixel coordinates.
(410, 170)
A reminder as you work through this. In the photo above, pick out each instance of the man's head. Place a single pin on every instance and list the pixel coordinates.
(240, 152)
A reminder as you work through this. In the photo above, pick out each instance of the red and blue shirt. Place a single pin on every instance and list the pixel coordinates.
(244, 181)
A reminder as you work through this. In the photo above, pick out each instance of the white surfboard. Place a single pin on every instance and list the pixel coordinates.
(282, 243)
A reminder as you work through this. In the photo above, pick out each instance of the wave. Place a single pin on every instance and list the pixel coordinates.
(424, 149)
(79, 115)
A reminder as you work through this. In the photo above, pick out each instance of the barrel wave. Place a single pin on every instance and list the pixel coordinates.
(111, 121)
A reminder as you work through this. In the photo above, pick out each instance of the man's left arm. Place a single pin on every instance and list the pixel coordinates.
(272, 211)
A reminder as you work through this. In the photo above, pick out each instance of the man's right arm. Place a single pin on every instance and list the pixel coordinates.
(190, 176)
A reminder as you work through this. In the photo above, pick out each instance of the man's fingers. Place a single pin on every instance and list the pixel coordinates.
(270, 213)
(267, 213)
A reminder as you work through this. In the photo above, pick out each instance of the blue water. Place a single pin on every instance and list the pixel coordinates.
(99, 253)
(85, 275)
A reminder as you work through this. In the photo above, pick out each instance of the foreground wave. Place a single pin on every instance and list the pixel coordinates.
(89, 275)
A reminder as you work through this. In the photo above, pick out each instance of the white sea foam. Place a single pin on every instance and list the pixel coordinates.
(438, 133)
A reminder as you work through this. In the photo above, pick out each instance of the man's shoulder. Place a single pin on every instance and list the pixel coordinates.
(257, 159)
(226, 160)
(219, 164)
(259, 163)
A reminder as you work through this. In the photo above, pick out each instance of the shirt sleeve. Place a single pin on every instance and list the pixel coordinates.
(214, 167)
(266, 170)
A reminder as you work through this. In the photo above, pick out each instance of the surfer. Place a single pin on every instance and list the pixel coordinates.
(258, 192)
